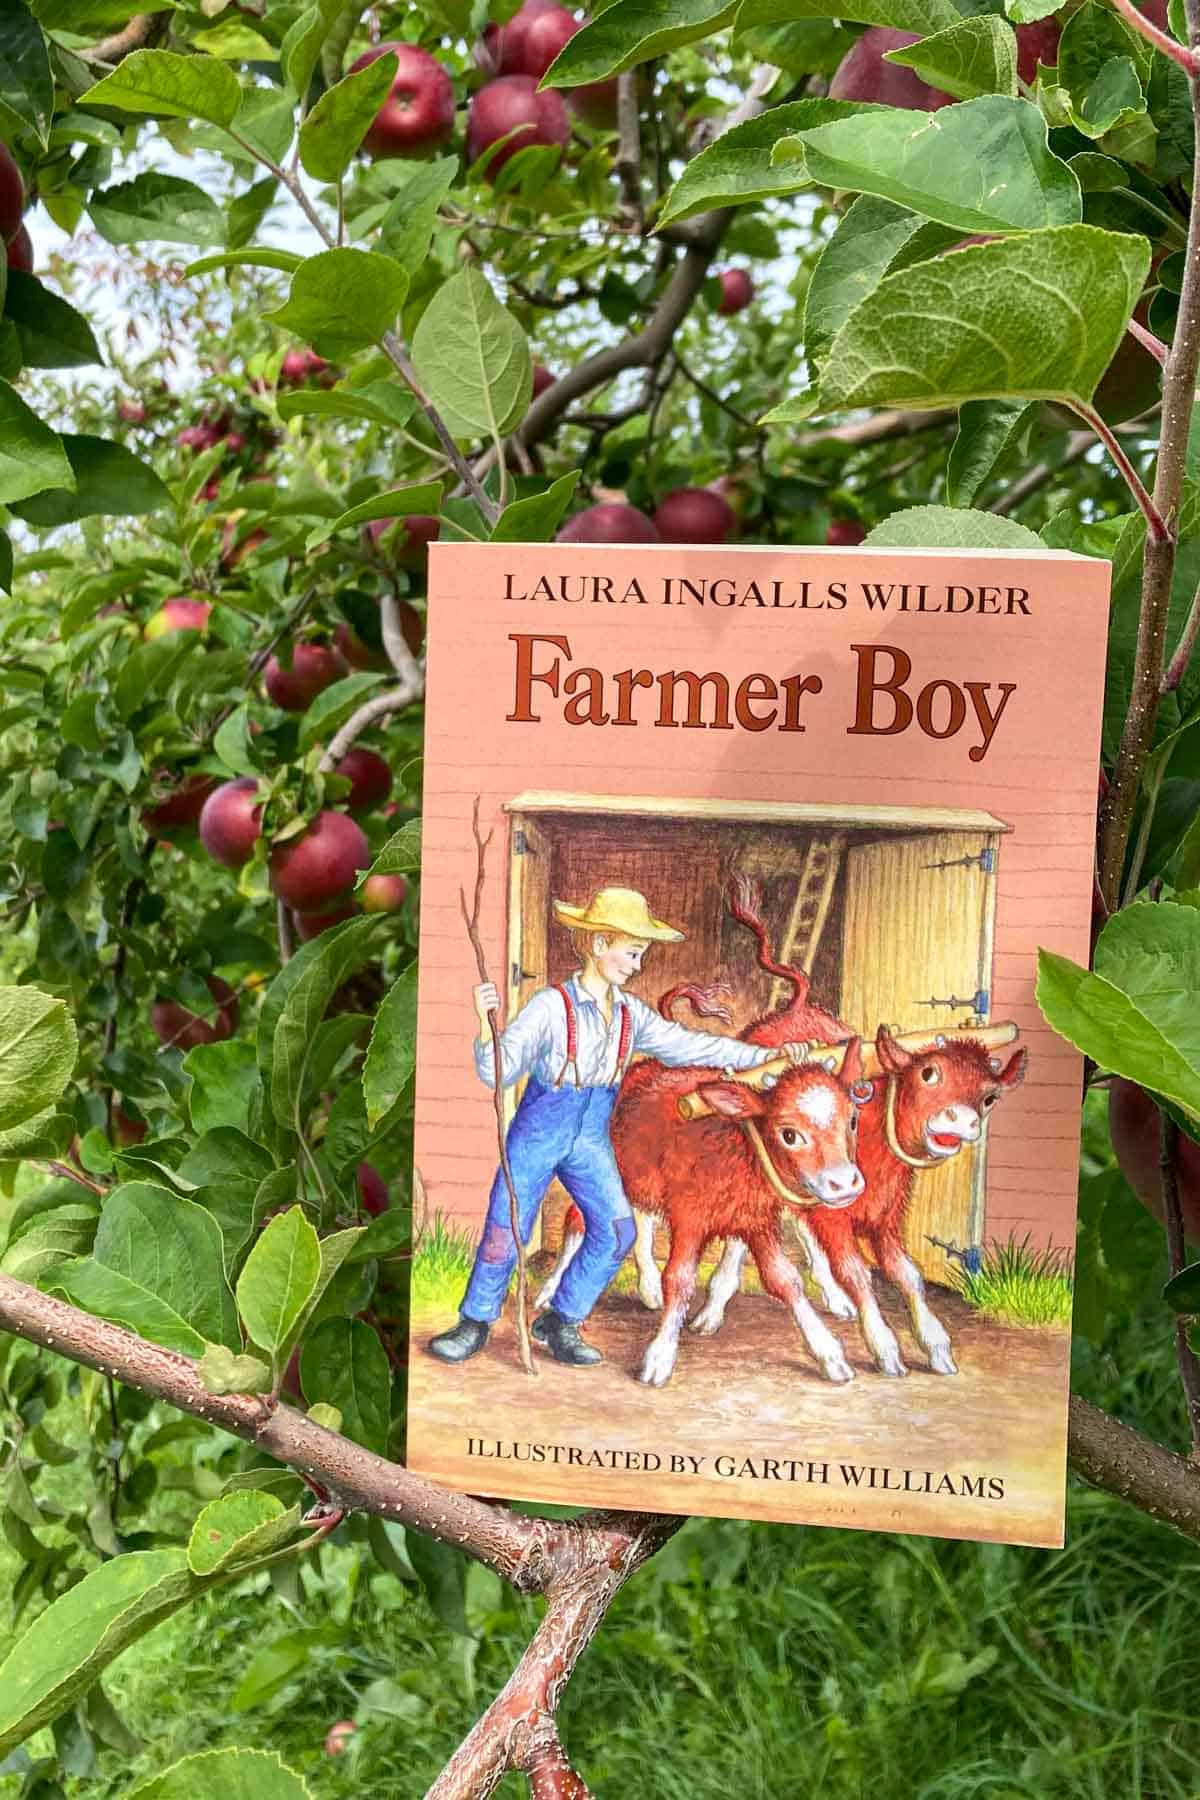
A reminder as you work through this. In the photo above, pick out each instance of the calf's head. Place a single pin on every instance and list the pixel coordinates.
(807, 1124)
(941, 1097)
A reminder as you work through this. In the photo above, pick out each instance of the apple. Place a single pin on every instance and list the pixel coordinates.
(299, 365)
(595, 103)
(692, 515)
(845, 531)
(12, 195)
(311, 925)
(130, 412)
(183, 1030)
(310, 871)
(313, 668)
(412, 626)
(737, 291)
(231, 822)
(542, 379)
(20, 251)
(181, 809)
(124, 1129)
(863, 75)
(544, 36)
(418, 114)
(372, 1190)
(513, 104)
(383, 893)
(369, 777)
(178, 614)
(1036, 44)
(1134, 1122)
(338, 1736)
(353, 652)
(501, 51)
(417, 531)
(196, 437)
(612, 522)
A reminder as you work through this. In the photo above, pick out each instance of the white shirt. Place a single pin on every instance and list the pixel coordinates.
(535, 1043)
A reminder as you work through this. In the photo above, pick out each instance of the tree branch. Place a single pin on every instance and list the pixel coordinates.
(628, 165)
(380, 706)
(1118, 1459)
(142, 30)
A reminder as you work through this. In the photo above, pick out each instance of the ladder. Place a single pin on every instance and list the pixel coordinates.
(810, 907)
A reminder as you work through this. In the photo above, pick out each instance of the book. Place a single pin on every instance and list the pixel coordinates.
(743, 858)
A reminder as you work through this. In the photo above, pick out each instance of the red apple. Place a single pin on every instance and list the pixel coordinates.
(501, 50)
(178, 614)
(418, 114)
(595, 103)
(231, 822)
(610, 523)
(369, 777)
(20, 251)
(197, 437)
(1133, 1120)
(130, 412)
(12, 195)
(542, 379)
(311, 925)
(845, 531)
(412, 626)
(1037, 43)
(352, 650)
(737, 291)
(313, 668)
(183, 1030)
(372, 1190)
(545, 34)
(310, 871)
(338, 1737)
(383, 893)
(412, 539)
(233, 553)
(300, 365)
(513, 104)
(863, 74)
(181, 809)
(695, 516)
(126, 1130)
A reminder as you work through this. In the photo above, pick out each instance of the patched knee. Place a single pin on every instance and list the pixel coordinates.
(626, 1231)
(497, 1244)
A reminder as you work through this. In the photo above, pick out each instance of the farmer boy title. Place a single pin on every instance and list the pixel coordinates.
(890, 694)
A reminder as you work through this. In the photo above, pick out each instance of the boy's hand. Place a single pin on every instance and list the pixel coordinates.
(487, 1000)
(797, 1053)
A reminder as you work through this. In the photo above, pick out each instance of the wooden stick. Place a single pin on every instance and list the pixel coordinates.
(472, 923)
(765, 1074)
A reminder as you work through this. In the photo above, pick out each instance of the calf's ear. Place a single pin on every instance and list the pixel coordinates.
(1014, 1070)
(733, 1099)
(852, 1063)
(892, 1056)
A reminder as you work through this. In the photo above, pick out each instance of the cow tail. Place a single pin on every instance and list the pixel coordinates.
(706, 1002)
(744, 899)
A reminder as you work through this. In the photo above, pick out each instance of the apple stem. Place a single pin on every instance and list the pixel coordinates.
(1148, 341)
(1160, 39)
(1133, 481)
(1189, 1366)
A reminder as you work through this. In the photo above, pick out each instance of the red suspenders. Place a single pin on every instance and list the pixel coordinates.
(624, 1045)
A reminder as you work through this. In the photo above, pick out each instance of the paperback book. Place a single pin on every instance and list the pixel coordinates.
(735, 867)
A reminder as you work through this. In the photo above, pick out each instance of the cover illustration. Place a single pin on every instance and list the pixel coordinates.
(743, 857)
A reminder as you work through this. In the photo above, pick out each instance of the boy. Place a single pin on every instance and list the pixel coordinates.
(574, 1042)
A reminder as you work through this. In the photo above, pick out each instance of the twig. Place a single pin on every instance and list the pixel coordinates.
(66, 1172)
(1148, 341)
(141, 31)
(628, 165)
(1155, 521)
(380, 706)
(1176, 669)
(1189, 1367)
(471, 920)
(283, 926)
(1161, 40)
(411, 674)
(1115, 1457)
(1078, 445)
(710, 393)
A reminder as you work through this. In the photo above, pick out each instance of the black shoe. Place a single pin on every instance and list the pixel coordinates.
(561, 1338)
(461, 1341)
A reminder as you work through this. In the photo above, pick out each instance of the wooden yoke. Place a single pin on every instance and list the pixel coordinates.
(992, 1037)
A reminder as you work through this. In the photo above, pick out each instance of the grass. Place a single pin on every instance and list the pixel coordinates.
(1019, 1285)
(441, 1264)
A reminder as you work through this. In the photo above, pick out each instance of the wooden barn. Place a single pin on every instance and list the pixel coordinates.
(891, 912)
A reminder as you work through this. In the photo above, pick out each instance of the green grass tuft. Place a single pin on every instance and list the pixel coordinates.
(443, 1257)
(1019, 1285)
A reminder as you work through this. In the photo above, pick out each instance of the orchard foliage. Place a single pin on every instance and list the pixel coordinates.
(340, 279)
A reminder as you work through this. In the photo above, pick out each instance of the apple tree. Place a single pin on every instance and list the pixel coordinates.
(308, 285)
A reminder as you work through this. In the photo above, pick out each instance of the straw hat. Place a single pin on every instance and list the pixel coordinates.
(617, 909)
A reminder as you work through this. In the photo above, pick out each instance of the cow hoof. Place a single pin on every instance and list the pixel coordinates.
(707, 1322)
(839, 1305)
(650, 1292)
(941, 1361)
(893, 1366)
(836, 1368)
(657, 1367)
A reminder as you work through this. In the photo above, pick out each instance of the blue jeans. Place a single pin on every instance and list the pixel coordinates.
(557, 1131)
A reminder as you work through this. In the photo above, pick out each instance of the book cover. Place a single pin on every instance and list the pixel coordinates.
(743, 858)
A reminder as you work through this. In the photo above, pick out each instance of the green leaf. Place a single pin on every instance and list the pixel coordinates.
(737, 168)
(472, 357)
(38, 1047)
(1104, 67)
(340, 120)
(407, 225)
(271, 1668)
(343, 1364)
(338, 952)
(631, 32)
(108, 480)
(156, 208)
(226, 1775)
(166, 84)
(343, 300)
(1036, 317)
(391, 1054)
(52, 334)
(1182, 1292)
(223, 1372)
(32, 456)
(982, 166)
(442, 1571)
(987, 431)
(535, 520)
(6, 562)
(800, 47)
(303, 40)
(222, 1083)
(279, 1280)
(151, 668)
(952, 528)
(393, 503)
(172, 1248)
(26, 79)
(976, 56)
(113, 1296)
(333, 706)
(401, 852)
(873, 238)
(383, 403)
(1135, 1014)
(238, 1528)
(921, 16)
(46, 1134)
(255, 256)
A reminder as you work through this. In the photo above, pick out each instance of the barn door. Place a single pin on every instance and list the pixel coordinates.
(917, 953)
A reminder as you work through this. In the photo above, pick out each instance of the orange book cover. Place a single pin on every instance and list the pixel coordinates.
(743, 857)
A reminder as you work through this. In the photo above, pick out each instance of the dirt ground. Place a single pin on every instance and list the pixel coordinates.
(755, 1431)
